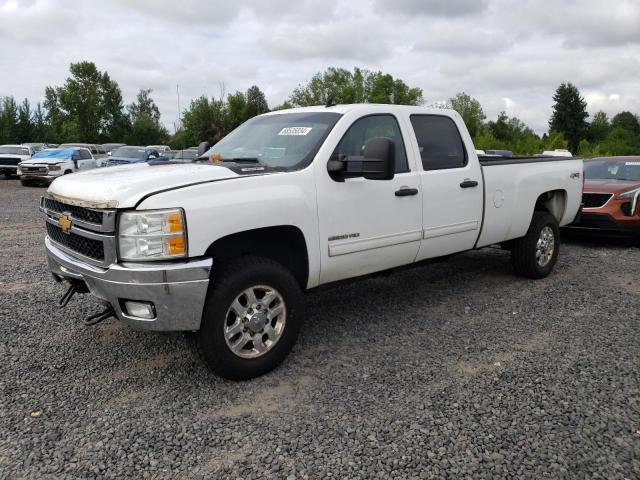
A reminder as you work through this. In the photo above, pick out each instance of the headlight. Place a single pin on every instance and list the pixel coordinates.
(152, 235)
(629, 194)
(54, 168)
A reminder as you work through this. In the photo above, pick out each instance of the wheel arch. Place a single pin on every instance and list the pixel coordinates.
(552, 201)
(284, 244)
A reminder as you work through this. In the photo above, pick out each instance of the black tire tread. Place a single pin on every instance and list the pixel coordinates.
(224, 277)
(523, 251)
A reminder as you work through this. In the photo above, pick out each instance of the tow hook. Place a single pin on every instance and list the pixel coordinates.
(100, 316)
(71, 291)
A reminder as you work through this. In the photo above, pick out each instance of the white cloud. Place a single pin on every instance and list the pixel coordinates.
(491, 49)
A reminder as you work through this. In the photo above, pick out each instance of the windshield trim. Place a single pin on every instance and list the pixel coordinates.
(302, 164)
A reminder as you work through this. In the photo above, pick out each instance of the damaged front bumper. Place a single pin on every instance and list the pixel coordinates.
(176, 292)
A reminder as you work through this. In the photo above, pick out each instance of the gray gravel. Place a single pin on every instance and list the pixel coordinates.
(452, 370)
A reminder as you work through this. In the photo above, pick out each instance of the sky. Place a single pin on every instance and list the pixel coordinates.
(509, 54)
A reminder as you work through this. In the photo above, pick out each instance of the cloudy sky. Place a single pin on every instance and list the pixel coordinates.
(510, 54)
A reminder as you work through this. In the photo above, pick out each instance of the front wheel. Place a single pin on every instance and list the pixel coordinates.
(251, 318)
(535, 254)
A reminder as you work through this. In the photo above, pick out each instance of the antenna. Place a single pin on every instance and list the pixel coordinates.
(179, 113)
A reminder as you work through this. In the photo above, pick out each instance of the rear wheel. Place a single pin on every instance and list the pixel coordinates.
(535, 254)
(251, 318)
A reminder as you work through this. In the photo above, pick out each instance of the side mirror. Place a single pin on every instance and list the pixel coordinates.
(108, 154)
(203, 147)
(377, 162)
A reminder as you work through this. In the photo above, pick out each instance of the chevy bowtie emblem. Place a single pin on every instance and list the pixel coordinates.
(65, 223)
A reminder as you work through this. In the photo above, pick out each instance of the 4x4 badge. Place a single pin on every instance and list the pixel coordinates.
(65, 223)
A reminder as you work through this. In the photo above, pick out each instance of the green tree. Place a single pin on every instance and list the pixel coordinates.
(8, 120)
(40, 127)
(144, 105)
(599, 127)
(569, 115)
(235, 112)
(144, 116)
(556, 140)
(25, 124)
(626, 121)
(470, 110)
(256, 102)
(360, 86)
(202, 121)
(115, 124)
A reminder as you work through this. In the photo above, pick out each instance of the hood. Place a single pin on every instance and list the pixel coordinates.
(42, 161)
(124, 186)
(11, 155)
(609, 186)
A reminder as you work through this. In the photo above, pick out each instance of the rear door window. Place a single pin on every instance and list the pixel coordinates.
(439, 141)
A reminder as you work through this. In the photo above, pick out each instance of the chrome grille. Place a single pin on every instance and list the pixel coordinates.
(35, 170)
(86, 247)
(10, 161)
(91, 234)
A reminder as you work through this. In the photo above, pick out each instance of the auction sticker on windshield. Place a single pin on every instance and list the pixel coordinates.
(294, 131)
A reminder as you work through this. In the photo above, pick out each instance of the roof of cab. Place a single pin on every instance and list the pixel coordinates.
(342, 109)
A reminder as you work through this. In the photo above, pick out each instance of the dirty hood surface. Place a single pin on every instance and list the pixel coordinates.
(124, 186)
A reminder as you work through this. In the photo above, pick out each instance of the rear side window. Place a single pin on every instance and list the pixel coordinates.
(366, 128)
(84, 155)
(439, 142)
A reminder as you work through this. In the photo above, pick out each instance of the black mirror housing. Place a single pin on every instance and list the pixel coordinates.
(377, 163)
(203, 147)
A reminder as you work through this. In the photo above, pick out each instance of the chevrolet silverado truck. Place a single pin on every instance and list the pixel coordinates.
(291, 200)
(46, 166)
(11, 156)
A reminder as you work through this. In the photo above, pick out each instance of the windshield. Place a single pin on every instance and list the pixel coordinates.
(612, 169)
(129, 152)
(287, 140)
(185, 155)
(14, 150)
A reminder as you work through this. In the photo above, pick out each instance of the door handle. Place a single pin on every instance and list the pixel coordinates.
(468, 183)
(406, 192)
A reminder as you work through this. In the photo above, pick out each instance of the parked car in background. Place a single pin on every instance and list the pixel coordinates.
(611, 196)
(499, 153)
(11, 156)
(558, 152)
(159, 148)
(131, 154)
(108, 147)
(185, 155)
(46, 166)
(291, 200)
(37, 147)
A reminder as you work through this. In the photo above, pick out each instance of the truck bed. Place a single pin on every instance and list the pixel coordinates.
(490, 160)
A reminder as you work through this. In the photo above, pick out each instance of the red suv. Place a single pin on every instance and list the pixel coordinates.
(611, 196)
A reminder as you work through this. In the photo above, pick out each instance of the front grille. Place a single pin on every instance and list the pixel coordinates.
(595, 200)
(81, 213)
(117, 162)
(35, 170)
(84, 246)
(10, 161)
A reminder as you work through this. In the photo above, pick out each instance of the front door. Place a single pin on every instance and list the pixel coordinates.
(369, 225)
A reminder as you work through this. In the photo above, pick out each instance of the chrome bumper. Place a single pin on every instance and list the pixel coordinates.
(177, 290)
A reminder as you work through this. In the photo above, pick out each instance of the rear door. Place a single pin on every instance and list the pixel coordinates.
(368, 225)
(452, 188)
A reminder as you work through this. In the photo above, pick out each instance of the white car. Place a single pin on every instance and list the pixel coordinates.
(291, 200)
(558, 152)
(11, 156)
(46, 166)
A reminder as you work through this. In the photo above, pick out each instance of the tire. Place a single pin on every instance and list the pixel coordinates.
(222, 327)
(24, 183)
(8, 175)
(531, 259)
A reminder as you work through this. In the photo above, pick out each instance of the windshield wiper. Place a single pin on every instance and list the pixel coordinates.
(243, 160)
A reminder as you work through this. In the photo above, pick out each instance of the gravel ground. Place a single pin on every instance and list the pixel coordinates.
(452, 370)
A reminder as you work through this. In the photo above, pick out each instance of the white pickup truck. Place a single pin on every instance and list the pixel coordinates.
(46, 166)
(289, 201)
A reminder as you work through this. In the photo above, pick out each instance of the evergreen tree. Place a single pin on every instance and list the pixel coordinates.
(599, 127)
(25, 125)
(569, 115)
(8, 120)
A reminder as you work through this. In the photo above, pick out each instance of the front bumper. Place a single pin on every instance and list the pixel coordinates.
(177, 290)
(38, 178)
(605, 224)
